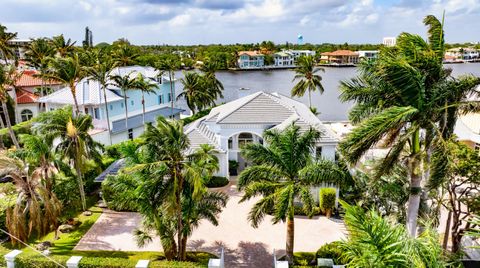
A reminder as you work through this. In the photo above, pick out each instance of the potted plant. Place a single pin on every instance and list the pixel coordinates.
(233, 167)
(327, 200)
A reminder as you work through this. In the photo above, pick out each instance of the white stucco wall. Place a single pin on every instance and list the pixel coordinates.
(20, 107)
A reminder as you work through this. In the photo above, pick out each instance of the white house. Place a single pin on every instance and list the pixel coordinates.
(462, 53)
(367, 54)
(90, 99)
(229, 126)
(284, 59)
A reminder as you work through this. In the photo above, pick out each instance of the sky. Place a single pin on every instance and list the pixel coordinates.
(187, 22)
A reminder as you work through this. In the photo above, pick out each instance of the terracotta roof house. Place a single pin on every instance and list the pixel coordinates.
(250, 60)
(340, 57)
(231, 125)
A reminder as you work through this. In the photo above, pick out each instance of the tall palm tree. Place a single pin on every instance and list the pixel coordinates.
(8, 77)
(213, 84)
(146, 86)
(100, 72)
(5, 48)
(125, 83)
(62, 46)
(309, 78)
(125, 55)
(193, 92)
(69, 71)
(404, 93)
(75, 145)
(36, 210)
(283, 172)
(169, 65)
(37, 56)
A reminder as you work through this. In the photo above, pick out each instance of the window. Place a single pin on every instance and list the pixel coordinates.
(169, 97)
(96, 113)
(318, 152)
(130, 134)
(86, 110)
(111, 107)
(244, 138)
(121, 104)
(160, 99)
(27, 114)
(132, 103)
(230, 143)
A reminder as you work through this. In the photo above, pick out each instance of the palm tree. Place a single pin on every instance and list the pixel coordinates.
(37, 55)
(283, 172)
(213, 85)
(373, 241)
(125, 83)
(193, 92)
(100, 72)
(75, 145)
(125, 55)
(63, 47)
(8, 77)
(69, 71)
(147, 86)
(5, 48)
(36, 209)
(399, 96)
(169, 65)
(309, 79)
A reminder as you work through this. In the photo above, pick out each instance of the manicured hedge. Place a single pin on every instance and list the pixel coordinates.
(196, 116)
(327, 199)
(216, 181)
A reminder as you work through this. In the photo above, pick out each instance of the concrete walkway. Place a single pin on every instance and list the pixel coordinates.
(243, 244)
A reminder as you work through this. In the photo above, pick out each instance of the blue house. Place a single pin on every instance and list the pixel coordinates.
(91, 101)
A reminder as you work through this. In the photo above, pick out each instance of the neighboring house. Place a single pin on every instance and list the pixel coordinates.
(250, 59)
(230, 126)
(367, 54)
(467, 130)
(462, 53)
(27, 90)
(389, 41)
(91, 101)
(284, 59)
(340, 57)
(301, 53)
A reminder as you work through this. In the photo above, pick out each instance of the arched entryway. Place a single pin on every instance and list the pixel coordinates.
(235, 145)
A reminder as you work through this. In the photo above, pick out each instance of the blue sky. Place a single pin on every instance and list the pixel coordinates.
(238, 21)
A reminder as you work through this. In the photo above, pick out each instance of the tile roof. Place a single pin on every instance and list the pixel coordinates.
(24, 96)
(28, 79)
(340, 53)
(250, 53)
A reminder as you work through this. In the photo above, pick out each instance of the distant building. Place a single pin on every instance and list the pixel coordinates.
(461, 53)
(88, 42)
(299, 53)
(340, 57)
(300, 39)
(90, 99)
(250, 59)
(389, 41)
(367, 54)
(284, 59)
(20, 46)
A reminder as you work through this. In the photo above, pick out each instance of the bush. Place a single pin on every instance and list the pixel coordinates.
(20, 128)
(196, 116)
(109, 195)
(8, 191)
(216, 181)
(117, 151)
(300, 212)
(330, 251)
(327, 200)
(304, 258)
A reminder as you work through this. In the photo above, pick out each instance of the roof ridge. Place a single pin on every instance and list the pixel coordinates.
(254, 96)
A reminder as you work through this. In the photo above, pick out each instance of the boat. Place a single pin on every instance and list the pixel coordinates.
(244, 88)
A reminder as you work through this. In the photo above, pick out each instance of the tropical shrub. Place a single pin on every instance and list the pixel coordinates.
(374, 241)
(330, 251)
(216, 181)
(20, 128)
(198, 115)
(327, 200)
(111, 197)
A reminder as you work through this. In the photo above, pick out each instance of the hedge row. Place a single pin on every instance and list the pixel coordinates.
(28, 260)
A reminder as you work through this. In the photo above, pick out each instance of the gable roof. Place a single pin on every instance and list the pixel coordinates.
(24, 97)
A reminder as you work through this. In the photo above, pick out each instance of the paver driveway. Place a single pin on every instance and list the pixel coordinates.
(244, 245)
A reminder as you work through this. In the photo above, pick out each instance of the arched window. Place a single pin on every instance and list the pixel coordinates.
(26, 115)
(244, 138)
